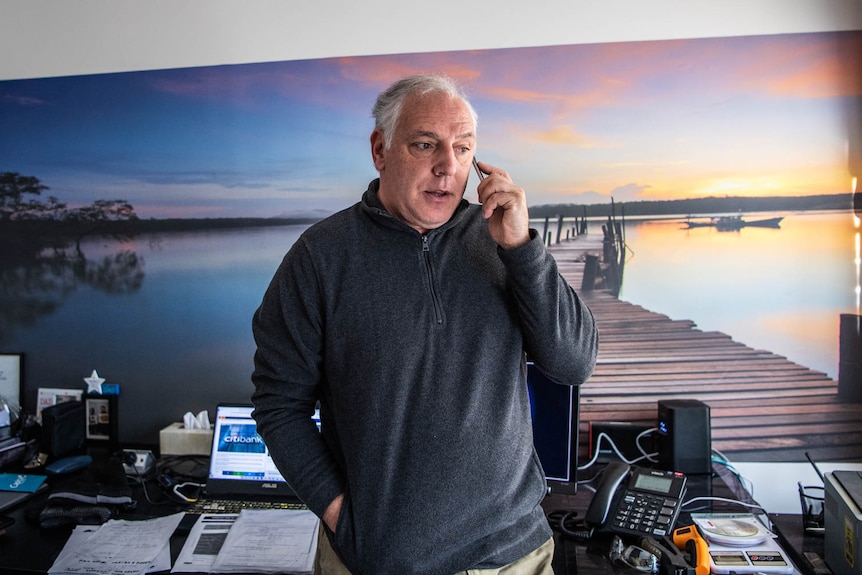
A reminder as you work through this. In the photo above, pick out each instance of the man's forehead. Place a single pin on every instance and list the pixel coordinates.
(458, 131)
(437, 115)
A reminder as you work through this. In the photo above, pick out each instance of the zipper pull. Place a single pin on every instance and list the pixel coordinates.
(425, 247)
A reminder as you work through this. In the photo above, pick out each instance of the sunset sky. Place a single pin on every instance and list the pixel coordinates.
(743, 116)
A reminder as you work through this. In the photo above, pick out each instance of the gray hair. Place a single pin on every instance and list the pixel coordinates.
(387, 108)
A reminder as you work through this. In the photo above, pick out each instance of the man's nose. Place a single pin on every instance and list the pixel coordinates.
(446, 162)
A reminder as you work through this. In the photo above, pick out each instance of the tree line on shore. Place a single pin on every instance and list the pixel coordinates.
(22, 212)
(696, 206)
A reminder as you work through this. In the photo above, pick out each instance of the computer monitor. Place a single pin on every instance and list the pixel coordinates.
(554, 411)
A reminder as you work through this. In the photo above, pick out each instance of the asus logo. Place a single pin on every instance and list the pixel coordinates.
(270, 485)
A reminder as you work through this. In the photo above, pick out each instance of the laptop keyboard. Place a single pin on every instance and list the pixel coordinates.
(235, 506)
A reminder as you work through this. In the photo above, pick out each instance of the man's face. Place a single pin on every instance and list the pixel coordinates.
(424, 173)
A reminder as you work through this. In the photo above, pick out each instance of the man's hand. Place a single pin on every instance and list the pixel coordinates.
(504, 205)
(330, 516)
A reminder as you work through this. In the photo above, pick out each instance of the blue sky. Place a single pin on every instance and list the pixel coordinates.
(761, 115)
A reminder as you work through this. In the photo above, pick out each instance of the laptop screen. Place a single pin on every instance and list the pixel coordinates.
(240, 462)
(238, 452)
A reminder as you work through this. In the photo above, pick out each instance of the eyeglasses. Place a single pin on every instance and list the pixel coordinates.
(633, 556)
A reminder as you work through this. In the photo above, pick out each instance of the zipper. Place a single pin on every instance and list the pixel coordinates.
(429, 269)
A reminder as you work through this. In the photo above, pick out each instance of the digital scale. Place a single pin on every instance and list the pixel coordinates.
(740, 543)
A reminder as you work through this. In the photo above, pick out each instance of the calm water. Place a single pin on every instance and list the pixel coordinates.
(172, 322)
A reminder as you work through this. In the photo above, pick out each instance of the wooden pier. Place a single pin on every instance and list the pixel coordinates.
(763, 406)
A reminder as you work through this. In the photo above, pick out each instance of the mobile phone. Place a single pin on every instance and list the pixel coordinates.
(478, 171)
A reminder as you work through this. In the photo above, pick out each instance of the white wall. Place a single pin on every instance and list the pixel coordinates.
(41, 38)
(775, 485)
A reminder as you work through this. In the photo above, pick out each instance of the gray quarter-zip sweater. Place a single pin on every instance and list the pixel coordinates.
(415, 347)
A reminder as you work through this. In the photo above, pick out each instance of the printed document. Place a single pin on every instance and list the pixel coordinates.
(270, 541)
(118, 547)
(204, 541)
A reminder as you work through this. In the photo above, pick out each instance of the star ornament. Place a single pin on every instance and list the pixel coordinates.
(94, 383)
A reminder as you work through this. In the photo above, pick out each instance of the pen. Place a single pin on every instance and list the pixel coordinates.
(478, 171)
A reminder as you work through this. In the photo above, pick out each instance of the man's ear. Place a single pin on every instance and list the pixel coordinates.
(378, 149)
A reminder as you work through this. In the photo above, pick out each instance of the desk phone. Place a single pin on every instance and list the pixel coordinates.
(636, 500)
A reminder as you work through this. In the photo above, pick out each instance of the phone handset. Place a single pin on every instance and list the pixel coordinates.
(612, 477)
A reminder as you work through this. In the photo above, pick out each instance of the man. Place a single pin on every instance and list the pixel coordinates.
(408, 317)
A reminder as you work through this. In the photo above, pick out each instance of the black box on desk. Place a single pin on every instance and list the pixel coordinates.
(843, 521)
(684, 438)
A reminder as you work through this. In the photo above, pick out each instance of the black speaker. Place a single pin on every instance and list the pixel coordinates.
(684, 439)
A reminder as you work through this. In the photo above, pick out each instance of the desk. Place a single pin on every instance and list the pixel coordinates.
(806, 551)
(27, 550)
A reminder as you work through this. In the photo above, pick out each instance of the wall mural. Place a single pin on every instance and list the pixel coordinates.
(144, 213)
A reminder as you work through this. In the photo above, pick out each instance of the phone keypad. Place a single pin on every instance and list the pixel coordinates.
(645, 514)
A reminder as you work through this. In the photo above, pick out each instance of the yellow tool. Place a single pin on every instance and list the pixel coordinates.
(691, 540)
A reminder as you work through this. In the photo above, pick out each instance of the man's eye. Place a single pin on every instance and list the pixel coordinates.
(423, 146)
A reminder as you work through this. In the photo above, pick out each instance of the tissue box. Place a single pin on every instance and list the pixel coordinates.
(177, 440)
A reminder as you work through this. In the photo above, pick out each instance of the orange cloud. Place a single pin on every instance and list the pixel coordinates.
(567, 136)
(380, 71)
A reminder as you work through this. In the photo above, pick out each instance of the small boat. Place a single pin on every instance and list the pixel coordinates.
(767, 223)
(729, 223)
(696, 224)
(734, 223)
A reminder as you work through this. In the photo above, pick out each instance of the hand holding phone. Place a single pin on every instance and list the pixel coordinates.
(504, 206)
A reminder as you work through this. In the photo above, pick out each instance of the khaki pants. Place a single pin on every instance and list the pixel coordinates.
(537, 562)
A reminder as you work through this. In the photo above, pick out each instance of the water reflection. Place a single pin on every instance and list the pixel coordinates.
(179, 341)
(37, 276)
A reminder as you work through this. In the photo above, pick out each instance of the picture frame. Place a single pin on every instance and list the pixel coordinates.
(12, 377)
(48, 396)
(102, 419)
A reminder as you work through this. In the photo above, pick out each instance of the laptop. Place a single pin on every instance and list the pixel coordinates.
(16, 488)
(242, 474)
(11, 499)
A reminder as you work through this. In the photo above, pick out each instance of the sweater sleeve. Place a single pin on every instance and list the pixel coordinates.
(287, 328)
(559, 330)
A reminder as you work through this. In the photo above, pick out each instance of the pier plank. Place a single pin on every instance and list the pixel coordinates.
(763, 406)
